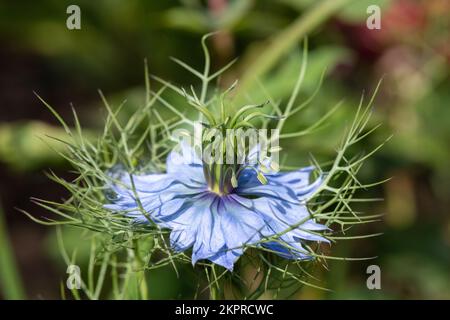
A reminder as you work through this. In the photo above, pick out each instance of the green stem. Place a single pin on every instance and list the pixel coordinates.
(140, 275)
(10, 282)
(286, 40)
(214, 293)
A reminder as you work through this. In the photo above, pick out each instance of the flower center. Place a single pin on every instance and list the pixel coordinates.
(219, 178)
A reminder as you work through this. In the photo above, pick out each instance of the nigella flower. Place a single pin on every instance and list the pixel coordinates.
(219, 225)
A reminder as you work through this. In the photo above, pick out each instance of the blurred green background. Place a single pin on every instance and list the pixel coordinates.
(411, 51)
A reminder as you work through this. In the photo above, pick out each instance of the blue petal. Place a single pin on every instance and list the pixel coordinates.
(226, 258)
(284, 251)
(186, 164)
(181, 239)
(285, 218)
(241, 224)
(298, 181)
(217, 227)
(249, 185)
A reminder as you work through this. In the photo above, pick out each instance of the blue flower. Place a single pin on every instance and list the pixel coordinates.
(218, 227)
